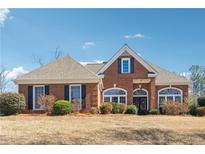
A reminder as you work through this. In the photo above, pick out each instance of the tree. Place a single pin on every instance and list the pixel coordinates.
(3, 80)
(57, 54)
(198, 79)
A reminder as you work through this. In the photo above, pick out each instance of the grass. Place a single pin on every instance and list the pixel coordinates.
(101, 129)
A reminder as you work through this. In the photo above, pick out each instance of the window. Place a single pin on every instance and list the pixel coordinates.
(117, 95)
(169, 94)
(125, 65)
(38, 91)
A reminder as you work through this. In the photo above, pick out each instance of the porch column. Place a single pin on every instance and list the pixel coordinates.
(152, 101)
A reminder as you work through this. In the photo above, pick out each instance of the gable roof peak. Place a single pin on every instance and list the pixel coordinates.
(126, 48)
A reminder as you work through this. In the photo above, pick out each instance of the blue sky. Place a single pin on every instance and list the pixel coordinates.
(171, 38)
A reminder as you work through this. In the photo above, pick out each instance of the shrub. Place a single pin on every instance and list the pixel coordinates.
(200, 111)
(106, 108)
(115, 108)
(153, 111)
(122, 107)
(174, 108)
(201, 101)
(47, 102)
(11, 103)
(62, 107)
(131, 109)
(192, 110)
(93, 110)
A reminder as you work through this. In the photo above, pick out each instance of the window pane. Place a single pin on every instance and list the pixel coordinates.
(75, 92)
(169, 91)
(115, 99)
(39, 91)
(161, 99)
(115, 92)
(122, 99)
(140, 92)
(106, 99)
(178, 99)
(169, 98)
(125, 66)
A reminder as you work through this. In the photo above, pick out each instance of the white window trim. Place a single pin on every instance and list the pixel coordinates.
(147, 95)
(173, 95)
(110, 96)
(73, 85)
(125, 59)
(34, 102)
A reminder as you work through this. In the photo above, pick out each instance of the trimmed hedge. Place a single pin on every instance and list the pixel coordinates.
(122, 107)
(93, 110)
(115, 108)
(106, 108)
(200, 111)
(201, 101)
(153, 111)
(131, 109)
(11, 103)
(62, 107)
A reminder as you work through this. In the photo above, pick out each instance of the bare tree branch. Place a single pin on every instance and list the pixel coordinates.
(3, 80)
(38, 60)
(58, 53)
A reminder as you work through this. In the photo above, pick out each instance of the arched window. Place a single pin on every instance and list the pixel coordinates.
(170, 94)
(117, 95)
(140, 92)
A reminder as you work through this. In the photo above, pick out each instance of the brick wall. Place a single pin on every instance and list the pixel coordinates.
(125, 81)
(58, 91)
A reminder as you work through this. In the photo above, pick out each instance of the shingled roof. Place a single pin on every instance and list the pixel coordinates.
(62, 70)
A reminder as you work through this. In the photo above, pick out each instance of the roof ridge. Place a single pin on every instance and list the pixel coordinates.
(82, 66)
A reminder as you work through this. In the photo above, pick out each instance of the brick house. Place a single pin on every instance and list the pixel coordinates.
(125, 78)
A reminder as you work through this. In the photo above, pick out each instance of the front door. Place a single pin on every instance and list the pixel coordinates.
(141, 104)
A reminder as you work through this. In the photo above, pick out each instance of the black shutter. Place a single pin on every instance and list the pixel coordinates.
(119, 65)
(47, 90)
(30, 97)
(83, 96)
(132, 65)
(66, 92)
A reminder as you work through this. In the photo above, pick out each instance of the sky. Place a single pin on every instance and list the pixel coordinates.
(171, 38)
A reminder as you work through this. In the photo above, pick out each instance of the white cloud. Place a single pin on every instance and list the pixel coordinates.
(88, 45)
(3, 15)
(136, 36)
(92, 62)
(15, 72)
(11, 75)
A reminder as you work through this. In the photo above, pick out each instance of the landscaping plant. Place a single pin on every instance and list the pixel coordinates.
(93, 110)
(106, 108)
(201, 101)
(62, 107)
(153, 111)
(115, 108)
(47, 102)
(174, 108)
(122, 107)
(200, 111)
(131, 109)
(11, 103)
